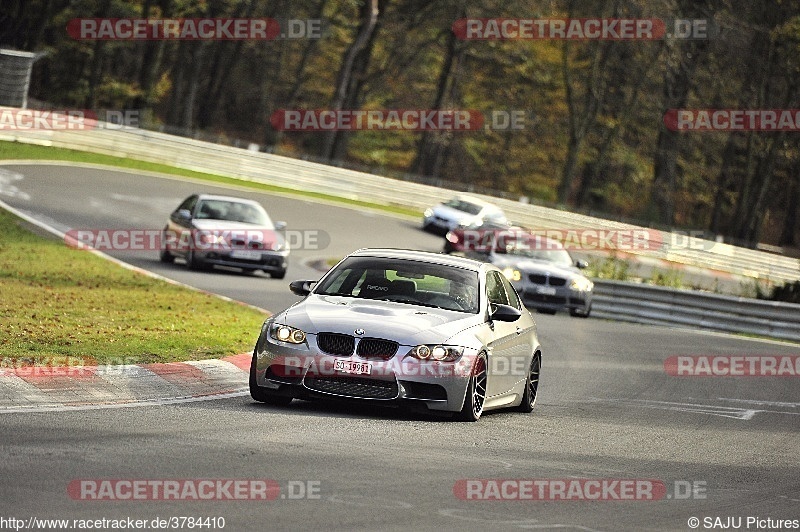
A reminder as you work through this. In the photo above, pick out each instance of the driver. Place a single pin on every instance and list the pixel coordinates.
(464, 294)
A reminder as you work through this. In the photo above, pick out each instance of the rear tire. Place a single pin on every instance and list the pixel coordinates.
(546, 311)
(260, 394)
(476, 392)
(278, 275)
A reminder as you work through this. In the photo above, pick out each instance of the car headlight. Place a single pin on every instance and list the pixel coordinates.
(439, 353)
(284, 333)
(581, 284)
(428, 213)
(512, 274)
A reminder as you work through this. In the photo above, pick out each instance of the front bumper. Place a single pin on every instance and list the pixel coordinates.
(555, 299)
(439, 225)
(303, 371)
(268, 261)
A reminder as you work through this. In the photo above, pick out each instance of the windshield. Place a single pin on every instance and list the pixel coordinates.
(464, 206)
(233, 211)
(559, 257)
(404, 281)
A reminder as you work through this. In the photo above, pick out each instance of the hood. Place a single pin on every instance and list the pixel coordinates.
(407, 324)
(249, 232)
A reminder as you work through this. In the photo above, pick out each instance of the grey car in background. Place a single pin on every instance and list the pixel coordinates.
(207, 230)
(461, 211)
(422, 330)
(539, 268)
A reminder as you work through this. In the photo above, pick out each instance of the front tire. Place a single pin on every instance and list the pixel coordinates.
(476, 392)
(260, 394)
(164, 255)
(194, 263)
(278, 275)
(531, 385)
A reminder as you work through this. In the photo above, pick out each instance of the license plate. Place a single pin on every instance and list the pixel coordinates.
(245, 254)
(355, 368)
(546, 290)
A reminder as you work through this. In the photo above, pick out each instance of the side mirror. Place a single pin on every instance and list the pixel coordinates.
(301, 288)
(504, 313)
(581, 264)
(280, 226)
(183, 215)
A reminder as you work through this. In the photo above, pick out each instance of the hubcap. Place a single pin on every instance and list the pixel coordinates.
(479, 393)
(533, 378)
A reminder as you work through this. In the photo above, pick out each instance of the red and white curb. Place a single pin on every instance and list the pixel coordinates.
(45, 389)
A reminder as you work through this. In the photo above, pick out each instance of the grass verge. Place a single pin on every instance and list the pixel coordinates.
(18, 150)
(62, 302)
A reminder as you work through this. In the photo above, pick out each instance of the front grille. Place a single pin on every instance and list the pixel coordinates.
(538, 278)
(353, 387)
(377, 348)
(336, 344)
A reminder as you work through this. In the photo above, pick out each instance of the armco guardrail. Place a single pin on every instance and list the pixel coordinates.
(658, 305)
(303, 175)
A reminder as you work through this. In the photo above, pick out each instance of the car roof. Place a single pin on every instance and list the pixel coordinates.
(473, 199)
(425, 256)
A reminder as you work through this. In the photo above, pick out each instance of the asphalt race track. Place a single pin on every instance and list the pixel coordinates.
(606, 410)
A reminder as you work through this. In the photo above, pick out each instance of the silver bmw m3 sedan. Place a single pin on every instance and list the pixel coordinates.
(405, 328)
